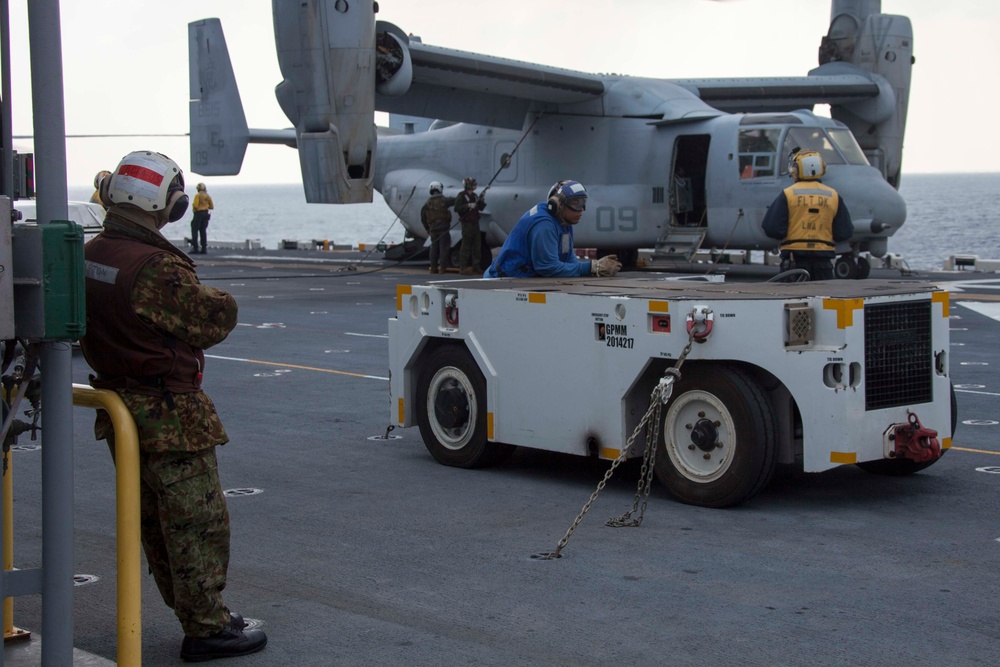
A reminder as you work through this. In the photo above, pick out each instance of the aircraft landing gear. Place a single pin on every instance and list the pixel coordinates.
(848, 267)
(864, 268)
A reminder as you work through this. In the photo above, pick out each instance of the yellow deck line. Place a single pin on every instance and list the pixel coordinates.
(302, 368)
(975, 451)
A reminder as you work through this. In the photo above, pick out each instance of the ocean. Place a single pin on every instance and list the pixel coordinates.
(947, 214)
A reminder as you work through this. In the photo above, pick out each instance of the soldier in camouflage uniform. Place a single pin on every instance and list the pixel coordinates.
(436, 219)
(148, 322)
(468, 205)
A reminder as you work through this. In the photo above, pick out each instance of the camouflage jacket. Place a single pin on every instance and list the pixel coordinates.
(434, 215)
(168, 298)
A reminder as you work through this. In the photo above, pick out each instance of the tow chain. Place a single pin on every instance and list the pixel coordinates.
(659, 397)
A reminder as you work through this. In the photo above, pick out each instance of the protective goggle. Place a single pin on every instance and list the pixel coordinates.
(577, 204)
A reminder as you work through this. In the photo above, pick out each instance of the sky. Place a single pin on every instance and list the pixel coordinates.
(125, 64)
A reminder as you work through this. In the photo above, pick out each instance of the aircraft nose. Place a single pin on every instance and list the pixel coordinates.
(876, 207)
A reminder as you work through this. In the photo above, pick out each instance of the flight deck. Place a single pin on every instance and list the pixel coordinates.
(352, 546)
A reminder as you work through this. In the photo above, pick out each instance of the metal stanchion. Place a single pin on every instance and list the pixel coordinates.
(127, 505)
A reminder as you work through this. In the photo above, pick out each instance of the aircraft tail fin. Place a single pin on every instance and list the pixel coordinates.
(219, 133)
(862, 40)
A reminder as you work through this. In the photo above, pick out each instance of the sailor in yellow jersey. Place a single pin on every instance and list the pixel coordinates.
(199, 223)
(810, 218)
(96, 197)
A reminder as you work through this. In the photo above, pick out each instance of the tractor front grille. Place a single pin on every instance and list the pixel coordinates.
(898, 358)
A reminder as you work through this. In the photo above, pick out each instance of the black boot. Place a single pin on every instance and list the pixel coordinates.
(229, 642)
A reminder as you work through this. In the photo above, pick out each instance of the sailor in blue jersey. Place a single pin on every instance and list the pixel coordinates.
(541, 243)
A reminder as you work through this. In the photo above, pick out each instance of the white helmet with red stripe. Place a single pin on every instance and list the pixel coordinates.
(150, 181)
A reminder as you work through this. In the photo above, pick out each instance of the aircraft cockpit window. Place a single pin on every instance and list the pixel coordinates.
(757, 152)
(810, 139)
(848, 145)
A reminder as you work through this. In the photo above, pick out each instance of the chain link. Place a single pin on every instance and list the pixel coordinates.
(658, 398)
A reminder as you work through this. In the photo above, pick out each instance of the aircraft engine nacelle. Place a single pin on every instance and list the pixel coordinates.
(327, 56)
(861, 40)
(394, 67)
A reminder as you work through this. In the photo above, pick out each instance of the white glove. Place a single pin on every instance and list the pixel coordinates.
(605, 266)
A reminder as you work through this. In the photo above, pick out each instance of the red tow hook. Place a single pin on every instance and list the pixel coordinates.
(915, 442)
(699, 323)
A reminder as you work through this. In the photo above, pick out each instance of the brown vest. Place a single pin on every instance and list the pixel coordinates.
(125, 351)
(471, 213)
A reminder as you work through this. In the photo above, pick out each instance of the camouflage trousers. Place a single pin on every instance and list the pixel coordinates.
(471, 252)
(440, 247)
(185, 535)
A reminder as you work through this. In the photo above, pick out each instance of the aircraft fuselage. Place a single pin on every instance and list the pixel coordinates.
(646, 182)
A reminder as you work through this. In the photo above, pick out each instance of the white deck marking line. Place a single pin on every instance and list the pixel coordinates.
(991, 310)
(348, 333)
(304, 368)
(971, 391)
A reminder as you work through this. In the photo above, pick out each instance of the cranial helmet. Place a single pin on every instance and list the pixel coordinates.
(563, 193)
(100, 177)
(436, 188)
(201, 187)
(806, 166)
(150, 181)
(469, 183)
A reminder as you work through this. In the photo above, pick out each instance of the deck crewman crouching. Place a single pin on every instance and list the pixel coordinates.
(808, 217)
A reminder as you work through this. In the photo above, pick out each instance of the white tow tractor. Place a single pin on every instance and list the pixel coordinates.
(818, 374)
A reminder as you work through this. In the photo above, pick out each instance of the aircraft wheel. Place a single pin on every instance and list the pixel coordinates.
(719, 438)
(864, 268)
(451, 410)
(845, 268)
(903, 467)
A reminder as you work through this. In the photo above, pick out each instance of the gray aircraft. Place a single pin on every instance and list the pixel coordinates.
(669, 164)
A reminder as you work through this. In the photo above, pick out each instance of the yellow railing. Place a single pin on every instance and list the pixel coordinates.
(127, 505)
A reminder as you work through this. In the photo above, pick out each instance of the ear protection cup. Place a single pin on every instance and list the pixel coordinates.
(552, 204)
(103, 190)
(177, 204)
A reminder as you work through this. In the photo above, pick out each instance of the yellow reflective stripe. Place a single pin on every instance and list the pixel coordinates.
(611, 454)
(402, 412)
(659, 306)
(944, 298)
(945, 443)
(843, 457)
(845, 310)
(535, 297)
(401, 291)
(489, 425)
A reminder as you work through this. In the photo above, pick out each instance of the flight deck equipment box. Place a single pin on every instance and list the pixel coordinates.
(48, 281)
(815, 374)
